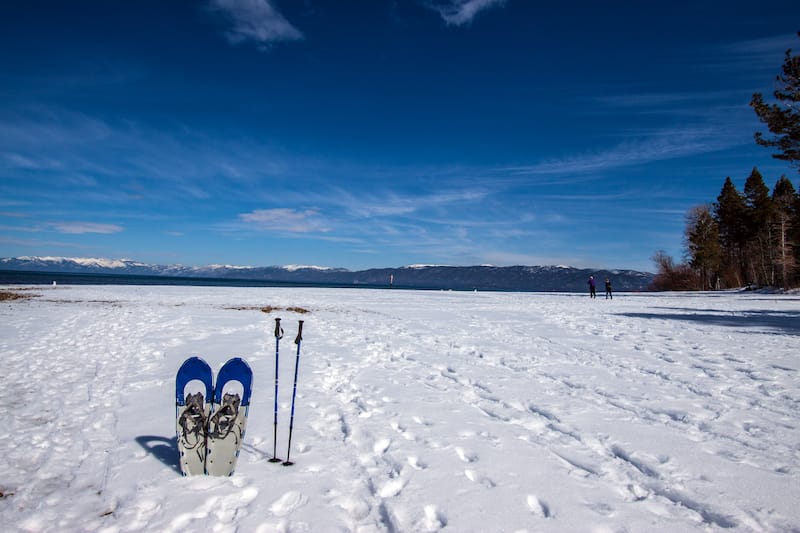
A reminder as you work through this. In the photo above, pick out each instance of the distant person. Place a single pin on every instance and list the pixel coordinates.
(608, 290)
(592, 287)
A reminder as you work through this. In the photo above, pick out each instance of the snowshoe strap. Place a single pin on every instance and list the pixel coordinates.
(222, 422)
(192, 421)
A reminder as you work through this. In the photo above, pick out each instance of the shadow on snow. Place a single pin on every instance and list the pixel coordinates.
(785, 322)
(162, 448)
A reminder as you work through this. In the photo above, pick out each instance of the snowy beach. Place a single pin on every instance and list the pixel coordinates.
(416, 411)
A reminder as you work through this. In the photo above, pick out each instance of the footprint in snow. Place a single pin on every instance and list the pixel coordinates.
(380, 446)
(392, 488)
(538, 507)
(403, 431)
(421, 421)
(476, 477)
(416, 464)
(357, 508)
(288, 502)
(466, 456)
(434, 519)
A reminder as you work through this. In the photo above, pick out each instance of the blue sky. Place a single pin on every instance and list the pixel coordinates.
(377, 133)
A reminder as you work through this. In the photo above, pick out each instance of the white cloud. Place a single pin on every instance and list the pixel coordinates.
(255, 20)
(461, 12)
(283, 219)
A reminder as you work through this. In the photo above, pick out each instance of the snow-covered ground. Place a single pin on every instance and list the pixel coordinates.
(416, 411)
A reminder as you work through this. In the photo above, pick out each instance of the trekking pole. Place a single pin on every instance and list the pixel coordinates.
(297, 341)
(278, 336)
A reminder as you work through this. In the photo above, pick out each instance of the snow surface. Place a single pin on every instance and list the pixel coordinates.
(293, 268)
(94, 262)
(416, 411)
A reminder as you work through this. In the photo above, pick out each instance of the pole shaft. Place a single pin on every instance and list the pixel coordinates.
(297, 341)
(278, 335)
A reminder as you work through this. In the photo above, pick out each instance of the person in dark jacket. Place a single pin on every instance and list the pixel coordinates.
(592, 287)
(608, 290)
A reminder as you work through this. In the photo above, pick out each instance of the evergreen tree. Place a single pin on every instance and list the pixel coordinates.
(785, 203)
(783, 118)
(758, 230)
(729, 213)
(794, 234)
(702, 245)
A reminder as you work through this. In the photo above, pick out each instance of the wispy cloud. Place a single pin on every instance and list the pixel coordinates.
(461, 12)
(79, 228)
(87, 154)
(754, 55)
(36, 243)
(20, 229)
(661, 100)
(39, 125)
(341, 214)
(285, 220)
(255, 21)
(393, 204)
(665, 145)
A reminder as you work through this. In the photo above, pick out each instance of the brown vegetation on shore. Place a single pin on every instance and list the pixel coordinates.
(13, 295)
(271, 309)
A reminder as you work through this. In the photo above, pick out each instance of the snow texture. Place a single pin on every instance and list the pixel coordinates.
(416, 411)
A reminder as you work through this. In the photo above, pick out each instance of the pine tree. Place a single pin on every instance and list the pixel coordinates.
(729, 213)
(794, 234)
(702, 244)
(785, 203)
(758, 230)
(783, 118)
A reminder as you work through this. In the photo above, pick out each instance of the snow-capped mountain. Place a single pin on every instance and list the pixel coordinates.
(484, 277)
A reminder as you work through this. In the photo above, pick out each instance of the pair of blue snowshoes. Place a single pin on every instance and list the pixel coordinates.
(210, 421)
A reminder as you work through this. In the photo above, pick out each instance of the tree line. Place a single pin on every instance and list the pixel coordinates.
(751, 237)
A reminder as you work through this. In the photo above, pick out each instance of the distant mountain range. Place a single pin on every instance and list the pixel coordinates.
(513, 278)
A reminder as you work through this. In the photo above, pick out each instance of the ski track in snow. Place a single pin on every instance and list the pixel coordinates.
(416, 411)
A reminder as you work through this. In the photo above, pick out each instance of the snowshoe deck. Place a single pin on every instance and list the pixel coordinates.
(227, 424)
(191, 415)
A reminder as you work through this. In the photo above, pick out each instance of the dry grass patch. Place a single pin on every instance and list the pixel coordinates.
(271, 309)
(10, 295)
